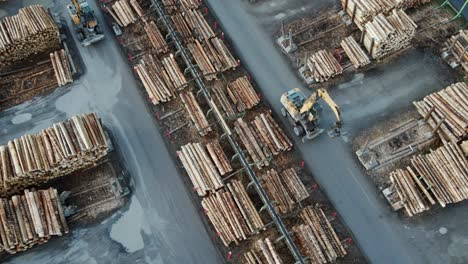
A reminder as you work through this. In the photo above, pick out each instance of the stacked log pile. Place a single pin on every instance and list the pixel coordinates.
(136, 6)
(182, 27)
(278, 192)
(318, 238)
(30, 219)
(265, 248)
(457, 45)
(219, 157)
(440, 176)
(355, 53)
(155, 85)
(232, 213)
(202, 60)
(124, 13)
(190, 4)
(324, 66)
(294, 185)
(221, 99)
(250, 142)
(387, 34)
(200, 168)
(62, 70)
(198, 25)
(174, 72)
(56, 151)
(32, 31)
(155, 37)
(224, 55)
(196, 113)
(243, 94)
(448, 109)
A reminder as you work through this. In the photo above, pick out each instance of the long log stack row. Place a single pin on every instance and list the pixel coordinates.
(174, 72)
(232, 213)
(221, 98)
(155, 81)
(56, 151)
(440, 176)
(219, 157)
(243, 94)
(155, 37)
(318, 238)
(196, 113)
(387, 34)
(61, 65)
(270, 135)
(355, 53)
(202, 60)
(264, 252)
(457, 45)
(198, 25)
(30, 219)
(277, 191)
(449, 109)
(124, 14)
(32, 31)
(323, 66)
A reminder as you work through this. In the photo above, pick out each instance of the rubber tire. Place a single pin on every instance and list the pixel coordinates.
(298, 131)
(284, 112)
(80, 36)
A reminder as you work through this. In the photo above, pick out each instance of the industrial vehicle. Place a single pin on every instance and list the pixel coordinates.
(85, 22)
(304, 113)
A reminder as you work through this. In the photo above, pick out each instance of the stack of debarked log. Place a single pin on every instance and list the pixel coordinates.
(354, 52)
(202, 60)
(155, 37)
(323, 66)
(190, 4)
(196, 113)
(198, 25)
(458, 46)
(173, 70)
(220, 95)
(264, 252)
(387, 34)
(262, 139)
(61, 65)
(440, 176)
(243, 94)
(205, 166)
(30, 219)
(123, 13)
(448, 109)
(56, 151)
(232, 213)
(318, 238)
(32, 31)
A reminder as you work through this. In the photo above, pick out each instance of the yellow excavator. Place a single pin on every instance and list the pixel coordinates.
(304, 113)
(85, 22)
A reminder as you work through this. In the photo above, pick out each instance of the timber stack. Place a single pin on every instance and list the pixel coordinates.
(318, 238)
(278, 192)
(155, 85)
(61, 65)
(30, 219)
(387, 34)
(196, 113)
(123, 13)
(264, 252)
(202, 60)
(155, 37)
(223, 54)
(440, 176)
(243, 94)
(198, 25)
(201, 170)
(457, 45)
(65, 147)
(136, 6)
(251, 143)
(32, 31)
(270, 134)
(232, 213)
(190, 4)
(324, 66)
(221, 98)
(354, 52)
(447, 110)
(219, 157)
(294, 185)
(173, 70)
(182, 27)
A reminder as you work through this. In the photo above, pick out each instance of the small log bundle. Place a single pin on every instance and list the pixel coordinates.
(232, 213)
(219, 157)
(174, 72)
(448, 109)
(198, 25)
(56, 151)
(155, 37)
(318, 238)
(61, 65)
(250, 142)
(182, 27)
(225, 56)
(243, 94)
(200, 168)
(278, 192)
(324, 66)
(294, 185)
(270, 134)
(363, 11)
(440, 176)
(221, 99)
(202, 60)
(136, 6)
(190, 4)
(196, 113)
(154, 83)
(30, 219)
(354, 52)
(387, 34)
(267, 250)
(32, 31)
(457, 45)
(124, 13)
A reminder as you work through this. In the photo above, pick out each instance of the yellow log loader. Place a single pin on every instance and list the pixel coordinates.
(85, 21)
(304, 113)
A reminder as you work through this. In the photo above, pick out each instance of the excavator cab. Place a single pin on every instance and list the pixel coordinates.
(85, 22)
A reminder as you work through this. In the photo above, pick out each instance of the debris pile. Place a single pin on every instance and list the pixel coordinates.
(62, 70)
(355, 53)
(323, 66)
